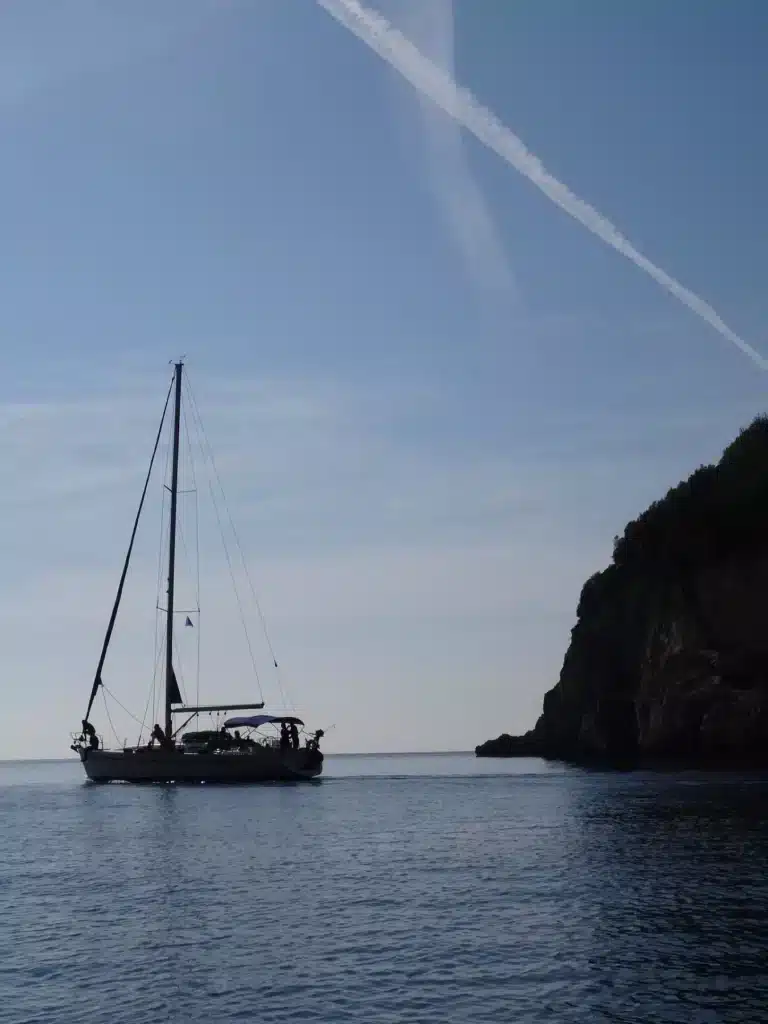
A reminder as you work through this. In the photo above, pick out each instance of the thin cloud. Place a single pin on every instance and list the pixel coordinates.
(436, 84)
(44, 47)
(462, 203)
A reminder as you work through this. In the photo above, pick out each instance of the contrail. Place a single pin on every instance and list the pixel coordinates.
(398, 51)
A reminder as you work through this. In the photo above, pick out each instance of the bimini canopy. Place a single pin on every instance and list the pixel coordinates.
(254, 721)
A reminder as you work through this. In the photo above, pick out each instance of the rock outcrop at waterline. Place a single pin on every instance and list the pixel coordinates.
(669, 655)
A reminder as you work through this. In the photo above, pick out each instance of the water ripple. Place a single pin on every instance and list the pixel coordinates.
(555, 896)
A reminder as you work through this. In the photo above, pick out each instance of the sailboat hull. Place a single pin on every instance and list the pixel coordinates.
(260, 764)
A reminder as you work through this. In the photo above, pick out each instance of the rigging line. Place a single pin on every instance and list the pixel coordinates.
(109, 719)
(157, 690)
(183, 505)
(125, 709)
(151, 694)
(180, 535)
(160, 652)
(180, 528)
(201, 432)
(150, 697)
(237, 594)
(113, 617)
(233, 527)
(197, 667)
(241, 552)
(287, 699)
(204, 436)
(202, 439)
(160, 550)
(190, 449)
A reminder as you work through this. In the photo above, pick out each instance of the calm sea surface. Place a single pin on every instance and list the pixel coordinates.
(412, 888)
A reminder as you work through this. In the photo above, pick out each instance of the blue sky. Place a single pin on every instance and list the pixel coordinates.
(433, 396)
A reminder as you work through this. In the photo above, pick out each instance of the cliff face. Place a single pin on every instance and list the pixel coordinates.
(669, 655)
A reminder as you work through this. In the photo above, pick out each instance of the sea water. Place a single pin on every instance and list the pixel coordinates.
(410, 888)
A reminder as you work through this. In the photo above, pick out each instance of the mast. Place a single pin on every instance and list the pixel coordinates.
(171, 686)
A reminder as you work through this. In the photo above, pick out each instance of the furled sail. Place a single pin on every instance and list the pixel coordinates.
(174, 694)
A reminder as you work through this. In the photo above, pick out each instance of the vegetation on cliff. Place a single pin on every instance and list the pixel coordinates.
(668, 654)
(717, 512)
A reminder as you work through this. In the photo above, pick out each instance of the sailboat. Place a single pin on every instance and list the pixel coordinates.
(220, 754)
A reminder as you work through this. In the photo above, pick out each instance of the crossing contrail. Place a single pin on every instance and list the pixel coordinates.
(459, 103)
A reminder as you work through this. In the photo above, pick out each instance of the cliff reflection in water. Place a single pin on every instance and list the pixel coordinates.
(677, 867)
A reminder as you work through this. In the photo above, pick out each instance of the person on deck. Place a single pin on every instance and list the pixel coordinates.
(159, 736)
(294, 736)
(89, 733)
(285, 739)
(314, 742)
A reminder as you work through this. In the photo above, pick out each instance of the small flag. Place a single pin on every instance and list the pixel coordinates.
(188, 622)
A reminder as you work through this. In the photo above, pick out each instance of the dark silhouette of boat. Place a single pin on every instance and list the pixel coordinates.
(220, 755)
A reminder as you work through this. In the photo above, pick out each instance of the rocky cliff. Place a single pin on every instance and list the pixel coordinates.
(669, 655)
